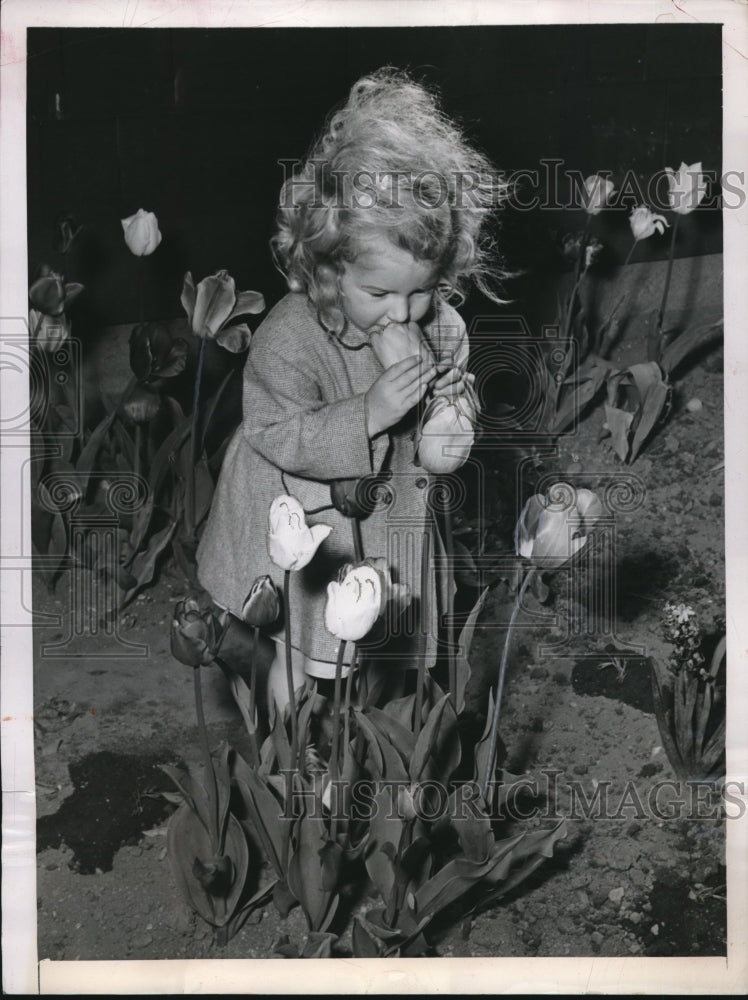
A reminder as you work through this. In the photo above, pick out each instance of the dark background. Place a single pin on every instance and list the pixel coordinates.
(191, 123)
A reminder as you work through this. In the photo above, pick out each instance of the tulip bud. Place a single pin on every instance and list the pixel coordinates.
(142, 405)
(398, 341)
(552, 528)
(291, 542)
(194, 635)
(262, 606)
(353, 602)
(142, 234)
(47, 294)
(359, 497)
(599, 192)
(644, 223)
(210, 304)
(446, 433)
(65, 231)
(686, 188)
(48, 333)
(396, 595)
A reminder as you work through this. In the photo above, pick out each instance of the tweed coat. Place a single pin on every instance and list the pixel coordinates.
(304, 425)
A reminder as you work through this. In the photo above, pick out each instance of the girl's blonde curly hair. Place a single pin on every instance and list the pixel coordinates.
(389, 161)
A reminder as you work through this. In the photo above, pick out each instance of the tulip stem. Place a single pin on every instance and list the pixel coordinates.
(138, 448)
(210, 775)
(425, 549)
(630, 254)
(253, 674)
(500, 686)
(189, 500)
(289, 669)
(347, 709)
(665, 290)
(358, 544)
(334, 767)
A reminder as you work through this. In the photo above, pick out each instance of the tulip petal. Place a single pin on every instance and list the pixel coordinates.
(234, 338)
(188, 296)
(215, 299)
(247, 303)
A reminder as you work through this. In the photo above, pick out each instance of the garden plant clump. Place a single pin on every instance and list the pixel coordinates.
(359, 824)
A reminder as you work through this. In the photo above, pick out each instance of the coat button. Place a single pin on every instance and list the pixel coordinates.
(421, 482)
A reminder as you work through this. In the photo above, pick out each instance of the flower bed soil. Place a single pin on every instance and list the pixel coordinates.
(634, 883)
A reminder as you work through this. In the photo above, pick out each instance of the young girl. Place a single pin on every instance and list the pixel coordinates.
(379, 227)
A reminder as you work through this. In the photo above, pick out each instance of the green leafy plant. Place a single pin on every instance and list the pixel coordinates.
(689, 698)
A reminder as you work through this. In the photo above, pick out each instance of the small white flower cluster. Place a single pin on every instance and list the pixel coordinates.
(681, 628)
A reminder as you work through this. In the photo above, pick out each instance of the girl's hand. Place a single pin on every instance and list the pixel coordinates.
(395, 392)
(453, 382)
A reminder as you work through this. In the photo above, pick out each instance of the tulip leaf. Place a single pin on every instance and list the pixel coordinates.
(242, 697)
(204, 489)
(305, 874)
(144, 564)
(662, 696)
(140, 524)
(188, 842)
(653, 392)
(465, 642)
(125, 442)
(211, 405)
(260, 898)
(402, 739)
(331, 860)
(578, 391)
(364, 944)
(264, 812)
(87, 457)
(188, 296)
(691, 339)
(234, 338)
(437, 751)
(169, 447)
(531, 851)
(619, 424)
(280, 741)
(388, 763)
(318, 945)
(385, 833)
(401, 709)
(481, 747)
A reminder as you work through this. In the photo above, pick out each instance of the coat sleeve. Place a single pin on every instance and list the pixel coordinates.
(289, 423)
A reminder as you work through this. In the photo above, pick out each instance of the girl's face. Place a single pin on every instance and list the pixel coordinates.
(386, 285)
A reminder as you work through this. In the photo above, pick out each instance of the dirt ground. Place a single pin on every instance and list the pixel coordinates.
(635, 883)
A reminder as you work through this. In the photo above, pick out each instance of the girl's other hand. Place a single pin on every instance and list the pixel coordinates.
(453, 382)
(395, 392)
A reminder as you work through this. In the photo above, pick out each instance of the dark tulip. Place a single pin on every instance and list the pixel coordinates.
(154, 353)
(142, 404)
(65, 230)
(51, 294)
(359, 497)
(262, 606)
(47, 294)
(194, 634)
